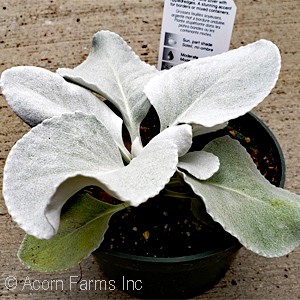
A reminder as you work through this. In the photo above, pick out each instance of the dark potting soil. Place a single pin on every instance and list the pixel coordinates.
(166, 227)
(162, 227)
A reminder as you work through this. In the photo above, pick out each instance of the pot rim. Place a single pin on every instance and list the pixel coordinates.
(188, 258)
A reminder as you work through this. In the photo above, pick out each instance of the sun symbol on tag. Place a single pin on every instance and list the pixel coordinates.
(172, 42)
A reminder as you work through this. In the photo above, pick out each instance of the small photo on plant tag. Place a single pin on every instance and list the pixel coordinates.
(171, 40)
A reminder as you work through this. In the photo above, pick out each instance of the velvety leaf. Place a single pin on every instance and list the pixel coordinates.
(180, 135)
(54, 150)
(213, 90)
(200, 164)
(36, 94)
(264, 218)
(113, 70)
(81, 231)
(145, 176)
(66, 153)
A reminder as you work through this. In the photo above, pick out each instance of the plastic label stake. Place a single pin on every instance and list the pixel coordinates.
(194, 28)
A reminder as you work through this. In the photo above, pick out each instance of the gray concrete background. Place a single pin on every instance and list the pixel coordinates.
(54, 34)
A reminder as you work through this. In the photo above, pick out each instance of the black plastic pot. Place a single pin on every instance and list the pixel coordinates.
(188, 276)
(162, 278)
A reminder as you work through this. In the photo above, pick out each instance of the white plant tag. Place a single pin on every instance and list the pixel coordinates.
(194, 28)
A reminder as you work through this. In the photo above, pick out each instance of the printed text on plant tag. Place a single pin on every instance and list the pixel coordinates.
(194, 28)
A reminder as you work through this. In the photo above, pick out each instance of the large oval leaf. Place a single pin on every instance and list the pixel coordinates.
(113, 70)
(36, 94)
(264, 218)
(81, 231)
(212, 90)
(54, 150)
(66, 153)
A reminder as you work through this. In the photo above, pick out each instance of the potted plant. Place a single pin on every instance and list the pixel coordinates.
(77, 142)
